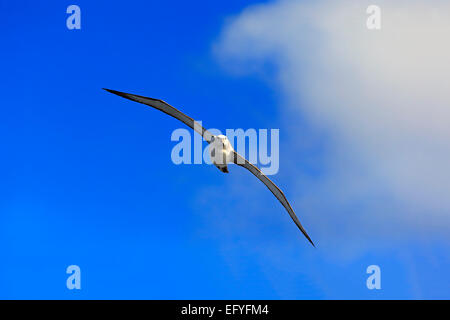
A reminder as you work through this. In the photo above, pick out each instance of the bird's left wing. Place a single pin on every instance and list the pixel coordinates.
(239, 160)
(168, 109)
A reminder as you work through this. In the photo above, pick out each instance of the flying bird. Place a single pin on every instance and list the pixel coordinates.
(221, 150)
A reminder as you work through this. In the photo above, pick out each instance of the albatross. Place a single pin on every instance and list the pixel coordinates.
(221, 150)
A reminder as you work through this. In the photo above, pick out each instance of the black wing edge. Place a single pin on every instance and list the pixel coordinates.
(294, 218)
(192, 126)
(124, 95)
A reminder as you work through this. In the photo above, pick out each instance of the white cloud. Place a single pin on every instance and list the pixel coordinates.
(382, 98)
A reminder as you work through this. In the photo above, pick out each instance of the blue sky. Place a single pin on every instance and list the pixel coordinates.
(88, 179)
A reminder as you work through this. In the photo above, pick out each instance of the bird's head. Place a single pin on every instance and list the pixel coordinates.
(221, 142)
(221, 139)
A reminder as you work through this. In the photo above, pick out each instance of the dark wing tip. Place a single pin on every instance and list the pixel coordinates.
(306, 235)
(115, 92)
(309, 239)
(133, 97)
(304, 232)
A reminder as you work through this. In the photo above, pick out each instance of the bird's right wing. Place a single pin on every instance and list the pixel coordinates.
(239, 160)
(168, 109)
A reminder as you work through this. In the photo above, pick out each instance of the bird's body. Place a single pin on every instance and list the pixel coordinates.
(221, 151)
